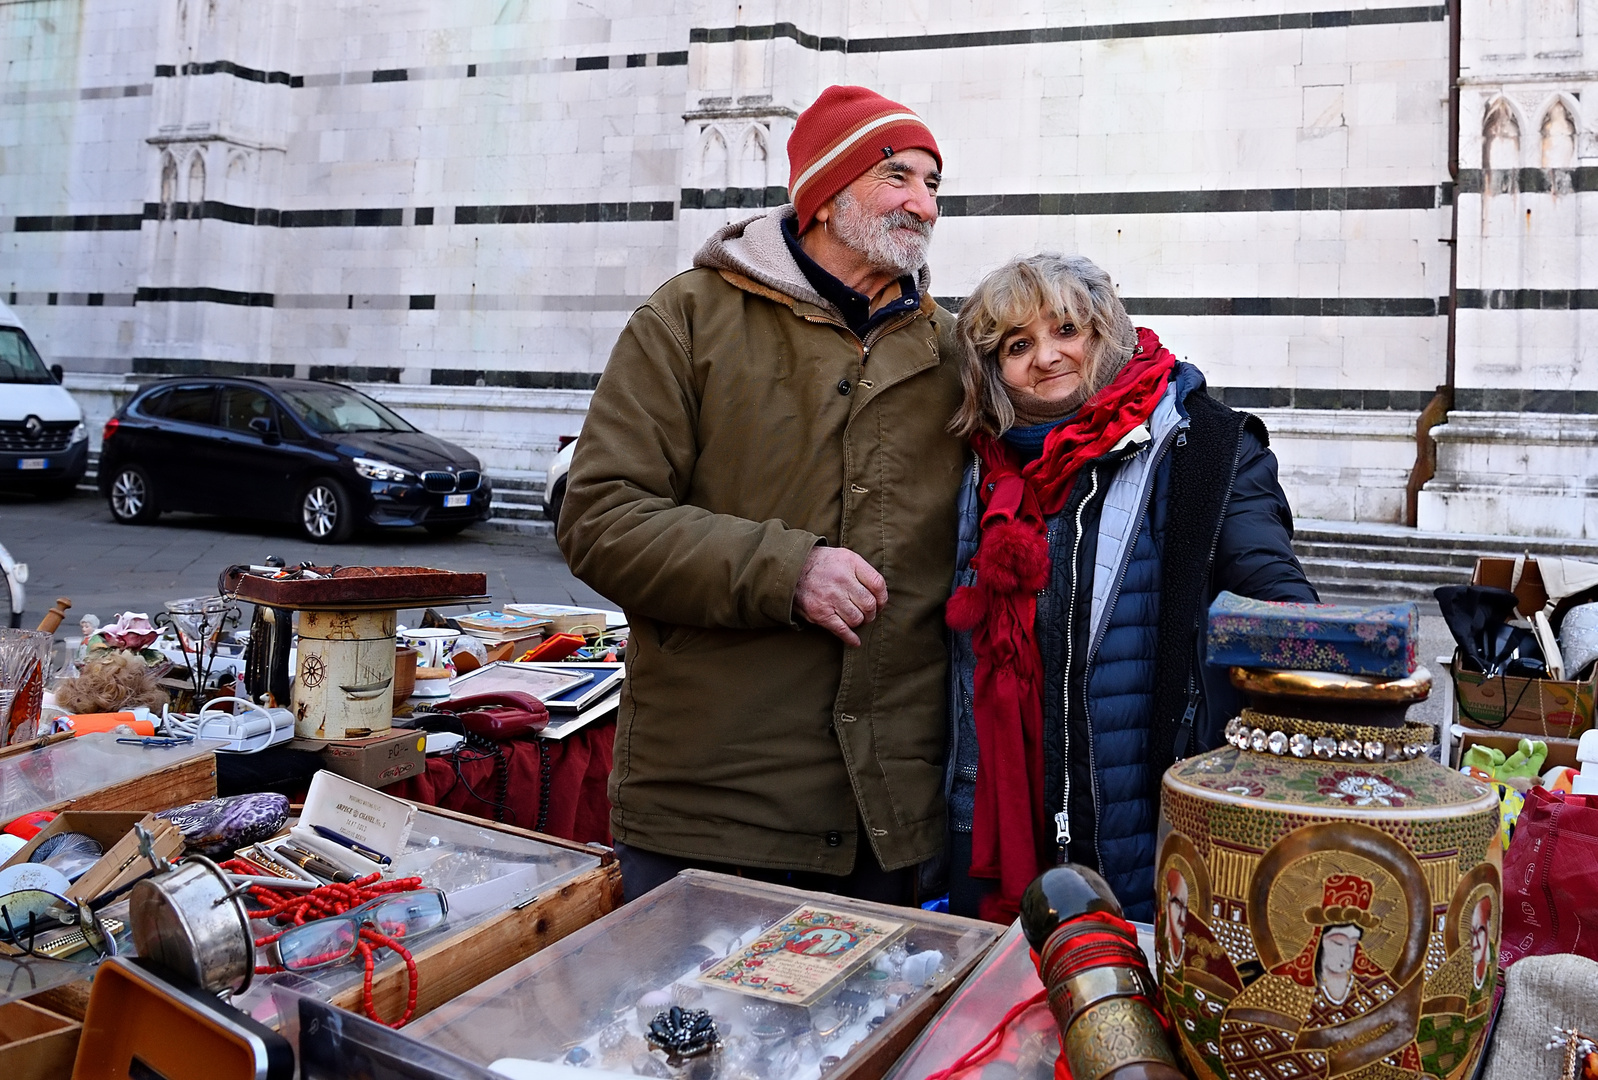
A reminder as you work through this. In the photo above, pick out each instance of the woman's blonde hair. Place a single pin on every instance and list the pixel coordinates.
(1062, 286)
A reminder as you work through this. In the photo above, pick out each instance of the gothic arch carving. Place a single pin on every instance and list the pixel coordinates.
(750, 167)
(1500, 146)
(714, 159)
(169, 184)
(196, 186)
(1559, 130)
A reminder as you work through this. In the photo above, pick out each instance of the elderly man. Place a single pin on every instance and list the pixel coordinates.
(766, 485)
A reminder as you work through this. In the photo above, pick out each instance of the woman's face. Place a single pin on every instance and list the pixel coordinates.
(1045, 357)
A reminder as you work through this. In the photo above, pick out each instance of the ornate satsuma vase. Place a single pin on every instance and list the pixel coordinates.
(1327, 916)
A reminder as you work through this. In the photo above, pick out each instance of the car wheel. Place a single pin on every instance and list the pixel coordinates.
(556, 498)
(132, 497)
(446, 528)
(326, 516)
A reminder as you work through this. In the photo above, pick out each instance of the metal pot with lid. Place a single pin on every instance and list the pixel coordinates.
(191, 920)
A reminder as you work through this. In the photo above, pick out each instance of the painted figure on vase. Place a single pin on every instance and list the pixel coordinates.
(1197, 978)
(1459, 995)
(1303, 1008)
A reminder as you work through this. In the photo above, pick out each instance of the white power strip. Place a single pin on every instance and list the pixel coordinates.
(252, 729)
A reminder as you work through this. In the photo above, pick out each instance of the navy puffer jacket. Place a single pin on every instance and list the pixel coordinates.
(1184, 507)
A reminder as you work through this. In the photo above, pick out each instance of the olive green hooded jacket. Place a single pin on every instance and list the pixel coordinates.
(738, 424)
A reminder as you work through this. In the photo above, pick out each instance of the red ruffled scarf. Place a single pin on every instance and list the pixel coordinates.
(1011, 839)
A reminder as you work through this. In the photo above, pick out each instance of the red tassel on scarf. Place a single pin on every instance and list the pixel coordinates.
(1010, 839)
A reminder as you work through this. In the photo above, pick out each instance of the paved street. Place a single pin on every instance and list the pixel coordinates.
(74, 548)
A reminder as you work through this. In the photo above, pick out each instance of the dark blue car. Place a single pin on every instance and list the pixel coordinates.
(319, 454)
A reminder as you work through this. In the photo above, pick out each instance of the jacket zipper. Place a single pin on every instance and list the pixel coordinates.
(1115, 594)
(1184, 733)
(1062, 820)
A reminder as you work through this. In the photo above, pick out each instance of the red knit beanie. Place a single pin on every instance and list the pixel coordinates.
(840, 137)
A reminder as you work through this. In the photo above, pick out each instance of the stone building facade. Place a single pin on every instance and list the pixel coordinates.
(458, 205)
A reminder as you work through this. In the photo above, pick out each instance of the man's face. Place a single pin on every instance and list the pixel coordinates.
(1481, 923)
(888, 212)
(1176, 917)
(1337, 949)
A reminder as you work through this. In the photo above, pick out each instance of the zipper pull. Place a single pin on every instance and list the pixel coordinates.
(1181, 438)
(1185, 732)
(1062, 828)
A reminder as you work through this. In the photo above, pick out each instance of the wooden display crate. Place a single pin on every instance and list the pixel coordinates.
(189, 780)
(36, 1044)
(454, 965)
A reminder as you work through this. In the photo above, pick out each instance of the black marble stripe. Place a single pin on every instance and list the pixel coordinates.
(167, 365)
(1280, 397)
(80, 223)
(521, 380)
(149, 294)
(1348, 307)
(1054, 34)
(352, 373)
(222, 67)
(1344, 307)
(739, 198)
(1540, 181)
(1528, 299)
(674, 58)
(564, 213)
(1235, 200)
(1519, 399)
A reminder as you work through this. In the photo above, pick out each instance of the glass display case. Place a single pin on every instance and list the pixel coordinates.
(66, 771)
(797, 985)
(484, 871)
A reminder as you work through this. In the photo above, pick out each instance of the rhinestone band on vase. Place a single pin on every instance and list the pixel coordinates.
(1263, 734)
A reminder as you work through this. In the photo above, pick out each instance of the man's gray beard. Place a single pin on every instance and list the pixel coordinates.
(893, 243)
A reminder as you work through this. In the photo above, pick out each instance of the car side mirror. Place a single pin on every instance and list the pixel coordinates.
(263, 426)
(56, 373)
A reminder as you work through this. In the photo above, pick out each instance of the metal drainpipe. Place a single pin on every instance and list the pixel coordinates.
(1436, 410)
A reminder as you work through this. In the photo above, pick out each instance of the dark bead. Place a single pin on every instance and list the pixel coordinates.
(1060, 894)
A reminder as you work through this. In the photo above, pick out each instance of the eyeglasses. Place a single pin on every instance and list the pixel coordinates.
(53, 927)
(328, 941)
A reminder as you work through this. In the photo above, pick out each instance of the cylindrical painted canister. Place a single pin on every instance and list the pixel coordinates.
(343, 688)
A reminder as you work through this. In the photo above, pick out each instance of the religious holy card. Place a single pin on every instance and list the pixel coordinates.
(806, 953)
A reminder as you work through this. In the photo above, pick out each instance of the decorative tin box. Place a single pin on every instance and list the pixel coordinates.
(1377, 641)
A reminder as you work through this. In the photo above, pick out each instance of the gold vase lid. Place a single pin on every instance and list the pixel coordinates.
(1328, 686)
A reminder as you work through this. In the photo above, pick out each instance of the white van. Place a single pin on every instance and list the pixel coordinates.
(44, 444)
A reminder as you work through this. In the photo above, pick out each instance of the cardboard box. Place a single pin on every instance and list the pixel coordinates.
(1541, 708)
(121, 862)
(1560, 751)
(1498, 573)
(377, 761)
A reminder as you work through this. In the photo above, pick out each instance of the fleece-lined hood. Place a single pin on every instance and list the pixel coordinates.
(756, 249)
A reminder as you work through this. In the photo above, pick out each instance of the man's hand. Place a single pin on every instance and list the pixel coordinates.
(838, 590)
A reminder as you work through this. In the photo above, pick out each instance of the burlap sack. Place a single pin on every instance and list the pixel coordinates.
(1542, 993)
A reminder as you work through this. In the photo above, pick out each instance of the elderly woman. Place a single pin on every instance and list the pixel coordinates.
(1109, 501)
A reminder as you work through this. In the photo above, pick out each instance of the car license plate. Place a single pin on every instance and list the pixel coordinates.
(457, 500)
(34, 463)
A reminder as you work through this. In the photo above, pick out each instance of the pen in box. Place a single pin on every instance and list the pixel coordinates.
(354, 845)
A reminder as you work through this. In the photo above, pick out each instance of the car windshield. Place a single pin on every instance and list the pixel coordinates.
(18, 362)
(329, 410)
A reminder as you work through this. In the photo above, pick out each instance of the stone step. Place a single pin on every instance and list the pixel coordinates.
(1355, 550)
(518, 496)
(1345, 591)
(523, 526)
(530, 480)
(1356, 535)
(1320, 569)
(516, 511)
